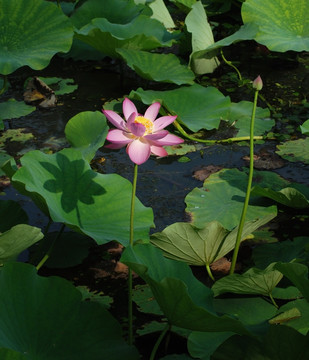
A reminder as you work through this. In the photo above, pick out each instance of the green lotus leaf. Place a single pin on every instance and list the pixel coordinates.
(295, 150)
(202, 345)
(96, 204)
(25, 26)
(202, 37)
(299, 323)
(196, 107)
(87, 132)
(246, 32)
(297, 274)
(142, 33)
(253, 281)
(184, 5)
(283, 25)
(241, 114)
(284, 251)
(157, 67)
(7, 354)
(11, 214)
(16, 240)
(241, 309)
(4, 158)
(161, 13)
(184, 242)
(287, 196)
(60, 86)
(36, 321)
(115, 11)
(184, 300)
(13, 109)
(278, 343)
(222, 195)
(304, 128)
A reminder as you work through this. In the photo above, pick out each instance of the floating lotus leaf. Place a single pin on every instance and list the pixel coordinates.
(283, 25)
(253, 281)
(241, 114)
(184, 242)
(184, 300)
(96, 204)
(142, 33)
(36, 321)
(87, 132)
(25, 27)
(295, 150)
(60, 86)
(13, 109)
(222, 196)
(196, 107)
(157, 67)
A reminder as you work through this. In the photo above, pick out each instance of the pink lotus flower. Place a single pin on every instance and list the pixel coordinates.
(143, 135)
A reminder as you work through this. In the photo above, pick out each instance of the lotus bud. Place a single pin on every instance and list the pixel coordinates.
(257, 83)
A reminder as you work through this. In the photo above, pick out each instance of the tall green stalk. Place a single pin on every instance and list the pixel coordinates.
(130, 280)
(257, 85)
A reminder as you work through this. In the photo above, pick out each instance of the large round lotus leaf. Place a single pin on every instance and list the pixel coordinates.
(13, 109)
(222, 196)
(97, 204)
(87, 132)
(283, 25)
(142, 33)
(45, 319)
(115, 11)
(196, 107)
(32, 32)
(241, 114)
(295, 150)
(157, 67)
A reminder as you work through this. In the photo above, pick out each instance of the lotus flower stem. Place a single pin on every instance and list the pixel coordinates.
(257, 85)
(158, 342)
(47, 255)
(130, 280)
(229, 140)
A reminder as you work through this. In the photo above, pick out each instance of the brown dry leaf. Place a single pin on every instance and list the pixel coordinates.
(205, 172)
(266, 160)
(222, 266)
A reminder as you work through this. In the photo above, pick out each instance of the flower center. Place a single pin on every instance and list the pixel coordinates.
(146, 122)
